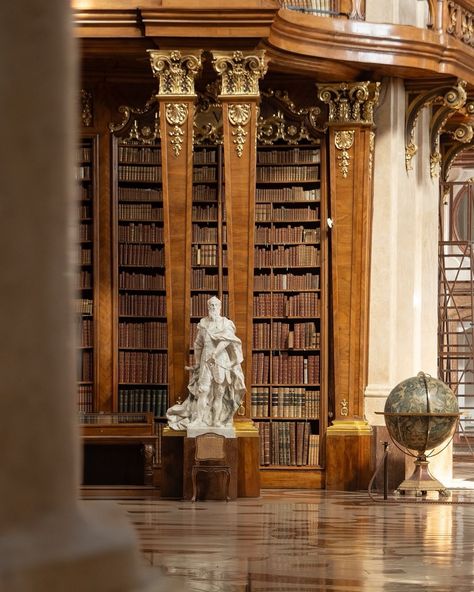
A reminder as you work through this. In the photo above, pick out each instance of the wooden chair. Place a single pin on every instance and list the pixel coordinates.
(210, 457)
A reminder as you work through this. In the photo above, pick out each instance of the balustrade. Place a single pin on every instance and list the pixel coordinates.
(352, 9)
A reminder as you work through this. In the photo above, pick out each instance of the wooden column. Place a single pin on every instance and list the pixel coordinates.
(350, 162)
(176, 73)
(240, 73)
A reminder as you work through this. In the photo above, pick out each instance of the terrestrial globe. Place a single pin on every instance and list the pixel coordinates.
(421, 413)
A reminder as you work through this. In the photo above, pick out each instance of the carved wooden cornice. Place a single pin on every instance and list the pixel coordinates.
(175, 71)
(451, 98)
(350, 102)
(240, 71)
(138, 126)
(281, 120)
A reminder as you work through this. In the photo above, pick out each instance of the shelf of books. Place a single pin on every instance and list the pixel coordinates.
(287, 346)
(209, 240)
(142, 364)
(87, 195)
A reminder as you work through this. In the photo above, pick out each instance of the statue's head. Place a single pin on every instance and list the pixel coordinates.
(214, 306)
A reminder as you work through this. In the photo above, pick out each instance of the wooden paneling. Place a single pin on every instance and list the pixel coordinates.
(348, 462)
(249, 474)
(281, 479)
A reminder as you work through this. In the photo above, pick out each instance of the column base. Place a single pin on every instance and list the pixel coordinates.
(348, 455)
(88, 548)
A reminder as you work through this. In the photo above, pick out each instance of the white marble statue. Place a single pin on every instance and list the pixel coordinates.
(216, 384)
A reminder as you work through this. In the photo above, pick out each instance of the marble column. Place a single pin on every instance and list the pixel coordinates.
(404, 272)
(48, 540)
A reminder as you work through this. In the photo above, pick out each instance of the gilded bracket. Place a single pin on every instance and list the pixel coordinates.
(451, 98)
(350, 102)
(463, 137)
(343, 140)
(142, 125)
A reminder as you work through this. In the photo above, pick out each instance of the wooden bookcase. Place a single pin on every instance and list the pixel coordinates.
(86, 173)
(141, 331)
(288, 391)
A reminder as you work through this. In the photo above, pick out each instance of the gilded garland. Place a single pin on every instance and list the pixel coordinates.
(176, 115)
(343, 141)
(239, 115)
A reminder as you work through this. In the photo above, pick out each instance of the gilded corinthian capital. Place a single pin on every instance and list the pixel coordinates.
(350, 102)
(240, 71)
(175, 71)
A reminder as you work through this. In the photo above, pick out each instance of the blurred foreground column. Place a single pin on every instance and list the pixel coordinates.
(48, 540)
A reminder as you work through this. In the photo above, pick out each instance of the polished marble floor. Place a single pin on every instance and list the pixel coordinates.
(305, 541)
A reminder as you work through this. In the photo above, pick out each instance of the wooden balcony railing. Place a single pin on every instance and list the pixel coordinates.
(454, 17)
(352, 9)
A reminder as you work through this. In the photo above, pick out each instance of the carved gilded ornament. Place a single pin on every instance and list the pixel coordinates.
(343, 140)
(460, 23)
(344, 407)
(240, 71)
(86, 108)
(143, 128)
(463, 137)
(239, 115)
(176, 115)
(175, 71)
(371, 153)
(352, 102)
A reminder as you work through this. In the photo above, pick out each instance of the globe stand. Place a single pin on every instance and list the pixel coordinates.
(422, 480)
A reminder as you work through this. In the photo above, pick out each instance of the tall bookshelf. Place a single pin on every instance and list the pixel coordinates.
(141, 361)
(86, 174)
(208, 236)
(288, 385)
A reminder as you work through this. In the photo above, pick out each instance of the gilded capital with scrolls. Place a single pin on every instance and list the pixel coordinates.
(350, 102)
(343, 140)
(240, 71)
(175, 71)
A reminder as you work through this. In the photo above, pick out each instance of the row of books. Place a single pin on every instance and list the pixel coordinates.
(204, 156)
(269, 212)
(286, 281)
(204, 193)
(142, 254)
(86, 333)
(141, 281)
(205, 213)
(285, 369)
(143, 367)
(140, 211)
(84, 192)
(207, 234)
(143, 400)
(304, 304)
(84, 211)
(278, 335)
(199, 303)
(287, 194)
(207, 255)
(152, 334)
(85, 280)
(85, 398)
(83, 306)
(83, 154)
(282, 256)
(140, 233)
(83, 173)
(204, 174)
(139, 155)
(85, 232)
(150, 174)
(288, 443)
(85, 256)
(200, 279)
(86, 366)
(139, 194)
(288, 174)
(147, 305)
(290, 402)
(287, 234)
(291, 156)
